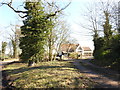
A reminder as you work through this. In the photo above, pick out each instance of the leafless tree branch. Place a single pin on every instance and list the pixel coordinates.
(50, 15)
(10, 6)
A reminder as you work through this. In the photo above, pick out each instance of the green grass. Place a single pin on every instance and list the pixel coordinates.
(56, 74)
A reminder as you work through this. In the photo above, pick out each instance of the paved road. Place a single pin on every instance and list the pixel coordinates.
(104, 82)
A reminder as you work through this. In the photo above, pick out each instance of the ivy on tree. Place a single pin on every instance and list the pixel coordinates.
(107, 28)
(35, 32)
(4, 44)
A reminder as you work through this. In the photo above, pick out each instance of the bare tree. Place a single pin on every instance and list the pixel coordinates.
(63, 33)
(94, 16)
(57, 36)
(23, 12)
(15, 40)
(57, 33)
(4, 44)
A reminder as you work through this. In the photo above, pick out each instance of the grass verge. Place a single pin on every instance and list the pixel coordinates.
(56, 74)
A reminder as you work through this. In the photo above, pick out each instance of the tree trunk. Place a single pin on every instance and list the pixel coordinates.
(30, 63)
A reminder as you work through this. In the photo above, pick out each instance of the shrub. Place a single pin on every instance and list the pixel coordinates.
(73, 55)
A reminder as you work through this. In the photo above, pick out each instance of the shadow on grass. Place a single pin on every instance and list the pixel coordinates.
(63, 81)
(21, 70)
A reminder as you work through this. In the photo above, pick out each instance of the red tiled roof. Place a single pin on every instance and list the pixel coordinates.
(86, 49)
(69, 47)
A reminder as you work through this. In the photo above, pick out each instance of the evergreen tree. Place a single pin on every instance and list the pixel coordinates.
(35, 31)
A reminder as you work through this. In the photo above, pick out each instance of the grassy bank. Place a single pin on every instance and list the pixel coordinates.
(57, 74)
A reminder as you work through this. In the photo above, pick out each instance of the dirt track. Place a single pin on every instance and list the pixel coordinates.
(103, 81)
